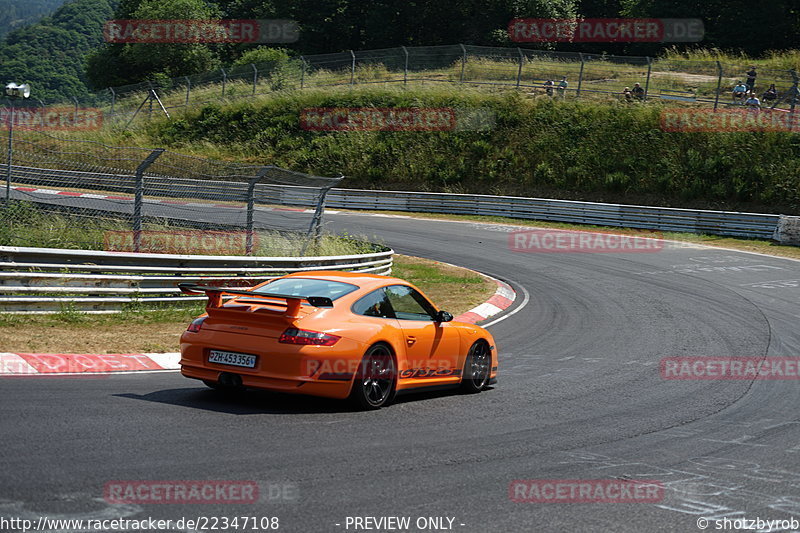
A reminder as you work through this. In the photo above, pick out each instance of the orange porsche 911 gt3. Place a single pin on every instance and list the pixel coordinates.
(334, 334)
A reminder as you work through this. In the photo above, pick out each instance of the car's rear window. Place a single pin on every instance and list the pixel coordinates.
(305, 287)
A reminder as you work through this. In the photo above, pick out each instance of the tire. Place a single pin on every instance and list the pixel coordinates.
(212, 384)
(375, 383)
(477, 368)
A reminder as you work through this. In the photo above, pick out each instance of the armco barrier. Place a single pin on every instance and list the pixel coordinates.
(729, 223)
(46, 280)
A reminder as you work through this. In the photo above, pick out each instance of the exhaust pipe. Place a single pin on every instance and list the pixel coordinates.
(232, 381)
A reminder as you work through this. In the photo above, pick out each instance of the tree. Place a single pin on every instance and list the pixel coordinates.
(49, 55)
(118, 64)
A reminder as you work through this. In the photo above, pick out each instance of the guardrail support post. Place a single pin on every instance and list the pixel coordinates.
(405, 65)
(647, 81)
(580, 76)
(719, 84)
(519, 68)
(138, 196)
(353, 68)
(463, 61)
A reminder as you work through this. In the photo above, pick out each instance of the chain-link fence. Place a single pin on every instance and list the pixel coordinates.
(68, 193)
(706, 83)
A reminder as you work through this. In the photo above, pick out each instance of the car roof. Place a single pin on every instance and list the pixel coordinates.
(363, 280)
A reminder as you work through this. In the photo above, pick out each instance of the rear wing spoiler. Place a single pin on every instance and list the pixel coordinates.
(215, 294)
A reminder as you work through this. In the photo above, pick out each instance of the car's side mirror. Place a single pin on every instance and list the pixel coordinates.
(443, 316)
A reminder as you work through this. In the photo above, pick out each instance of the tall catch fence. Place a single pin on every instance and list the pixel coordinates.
(703, 83)
(153, 200)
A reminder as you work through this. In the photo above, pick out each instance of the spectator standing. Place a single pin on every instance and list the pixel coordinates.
(638, 92)
(562, 87)
(548, 87)
(751, 78)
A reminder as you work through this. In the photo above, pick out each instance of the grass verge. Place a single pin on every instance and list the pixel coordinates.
(134, 331)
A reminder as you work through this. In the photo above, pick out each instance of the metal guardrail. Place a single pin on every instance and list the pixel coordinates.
(47, 280)
(726, 223)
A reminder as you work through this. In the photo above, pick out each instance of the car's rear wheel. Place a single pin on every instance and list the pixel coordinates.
(376, 380)
(477, 368)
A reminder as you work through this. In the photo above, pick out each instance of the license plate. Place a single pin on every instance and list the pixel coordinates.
(232, 358)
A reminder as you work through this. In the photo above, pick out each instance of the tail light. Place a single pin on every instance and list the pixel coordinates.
(196, 324)
(307, 337)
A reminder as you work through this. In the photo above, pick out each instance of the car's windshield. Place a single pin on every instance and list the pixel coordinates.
(305, 287)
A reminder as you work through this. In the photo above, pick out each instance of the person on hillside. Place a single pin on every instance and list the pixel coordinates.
(739, 92)
(751, 79)
(638, 91)
(771, 94)
(752, 101)
(548, 87)
(627, 95)
(562, 87)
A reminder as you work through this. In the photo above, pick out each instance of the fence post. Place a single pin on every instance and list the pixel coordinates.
(251, 204)
(647, 81)
(10, 151)
(302, 71)
(41, 111)
(405, 66)
(719, 84)
(150, 101)
(580, 75)
(463, 61)
(795, 94)
(255, 78)
(315, 229)
(188, 89)
(75, 116)
(224, 80)
(138, 196)
(113, 100)
(353, 68)
(519, 68)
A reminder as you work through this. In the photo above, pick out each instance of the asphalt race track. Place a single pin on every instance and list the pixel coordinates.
(579, 397)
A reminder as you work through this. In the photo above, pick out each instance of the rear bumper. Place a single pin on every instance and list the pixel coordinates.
(285, 368)
(328, 389)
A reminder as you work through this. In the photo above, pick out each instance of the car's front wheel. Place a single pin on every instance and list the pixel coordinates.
(477, 368)
(376, 380)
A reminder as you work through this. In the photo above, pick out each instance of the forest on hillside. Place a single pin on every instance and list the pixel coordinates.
(15, 14)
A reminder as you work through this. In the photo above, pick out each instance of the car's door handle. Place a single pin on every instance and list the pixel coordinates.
(411, 340)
